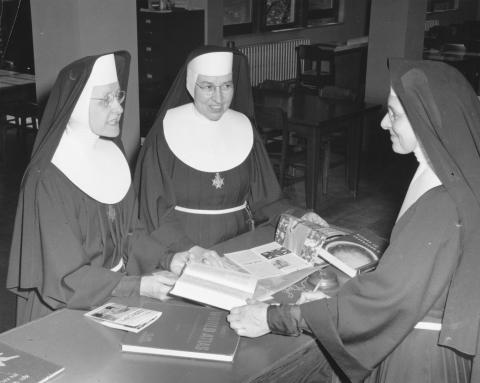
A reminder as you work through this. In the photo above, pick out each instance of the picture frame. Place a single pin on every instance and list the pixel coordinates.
(323, 12)
(279, 14)
(237, 17)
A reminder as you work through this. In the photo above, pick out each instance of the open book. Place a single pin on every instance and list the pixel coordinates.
(214, 286)
(268, 260)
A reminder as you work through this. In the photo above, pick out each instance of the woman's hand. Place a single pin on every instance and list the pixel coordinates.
(249, 320)
(195, 254)
(158, 284)
(179, 261)
(315, 218)
(208, 257)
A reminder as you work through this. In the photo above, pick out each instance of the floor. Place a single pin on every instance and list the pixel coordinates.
(383, 182)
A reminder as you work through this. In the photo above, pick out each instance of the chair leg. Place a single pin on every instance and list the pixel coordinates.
(325, 166)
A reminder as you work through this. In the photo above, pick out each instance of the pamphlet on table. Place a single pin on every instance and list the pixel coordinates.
(115, 315)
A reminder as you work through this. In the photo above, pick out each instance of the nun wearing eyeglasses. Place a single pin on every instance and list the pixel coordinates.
(203, 175)
(77, 239)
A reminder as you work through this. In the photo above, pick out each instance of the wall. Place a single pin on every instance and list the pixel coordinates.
(65, 30)
(396, 30)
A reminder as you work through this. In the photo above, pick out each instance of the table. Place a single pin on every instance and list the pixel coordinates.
(91, 352)
(313, 117)
(16, 86)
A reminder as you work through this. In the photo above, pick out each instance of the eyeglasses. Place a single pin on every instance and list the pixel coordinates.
(394, 116)
(107, 101)
(208, 89)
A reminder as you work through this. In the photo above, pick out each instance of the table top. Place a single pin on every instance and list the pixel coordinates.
(91, 352)
(16, 87)
(309, 109)
(434, 54)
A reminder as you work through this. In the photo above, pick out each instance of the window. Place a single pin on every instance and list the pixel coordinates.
(252, 16)
(441, 5)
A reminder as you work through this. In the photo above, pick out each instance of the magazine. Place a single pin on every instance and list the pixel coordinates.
(267, 261)
(350, 252)
(115, 315)
(20, 366)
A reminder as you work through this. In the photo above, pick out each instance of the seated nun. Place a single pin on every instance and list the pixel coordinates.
(203, 175)
(77, 239)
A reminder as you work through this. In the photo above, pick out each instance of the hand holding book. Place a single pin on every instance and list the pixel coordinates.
(195, 254)
(158, 284)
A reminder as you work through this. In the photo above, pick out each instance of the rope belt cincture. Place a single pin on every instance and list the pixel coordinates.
(428, 326)
(211, 212)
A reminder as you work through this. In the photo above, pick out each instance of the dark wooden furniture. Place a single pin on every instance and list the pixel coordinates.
(17, 105)
(164, 41)
(315, 66)
(91, 352)
(314, 118)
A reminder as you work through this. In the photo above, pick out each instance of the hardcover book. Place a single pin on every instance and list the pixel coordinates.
(213, 286)
(20, 366)
(186, 331)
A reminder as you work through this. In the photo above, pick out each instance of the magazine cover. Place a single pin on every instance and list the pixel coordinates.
(351, 252)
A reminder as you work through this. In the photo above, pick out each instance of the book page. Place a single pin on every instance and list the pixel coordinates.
(210, 293)
(224, 277)
(267, 261)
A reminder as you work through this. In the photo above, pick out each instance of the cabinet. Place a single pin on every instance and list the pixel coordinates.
(164, 42)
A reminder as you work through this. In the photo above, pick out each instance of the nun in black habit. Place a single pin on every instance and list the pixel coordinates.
(203, 175)
(416, 317)
(77, 239)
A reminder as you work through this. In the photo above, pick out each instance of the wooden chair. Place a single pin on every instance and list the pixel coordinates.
(21, 116)
(315, 66)
(286, 150)
(271, 125)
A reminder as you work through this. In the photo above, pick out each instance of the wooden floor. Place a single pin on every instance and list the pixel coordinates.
(384, 179)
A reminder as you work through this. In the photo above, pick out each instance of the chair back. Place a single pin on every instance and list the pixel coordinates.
(271, 123)
(315, 66)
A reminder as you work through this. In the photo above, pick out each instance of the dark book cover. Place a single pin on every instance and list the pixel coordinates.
(186, 331)
(20, 366)
(360, 250)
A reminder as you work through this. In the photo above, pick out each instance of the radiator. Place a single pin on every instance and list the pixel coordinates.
(272, 61)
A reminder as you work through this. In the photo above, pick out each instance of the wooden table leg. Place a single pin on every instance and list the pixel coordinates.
(313, 169)
(355, 133)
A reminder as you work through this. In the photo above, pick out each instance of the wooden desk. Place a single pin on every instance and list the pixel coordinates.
(313, 117)
(16, 86)
(91, 352)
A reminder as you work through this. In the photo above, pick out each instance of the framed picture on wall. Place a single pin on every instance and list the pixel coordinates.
(237, 17)
(279, 14)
